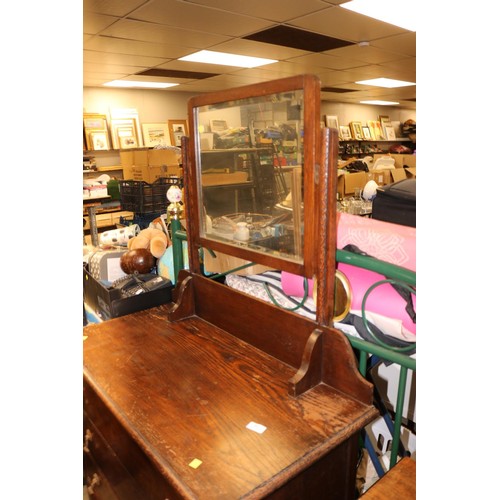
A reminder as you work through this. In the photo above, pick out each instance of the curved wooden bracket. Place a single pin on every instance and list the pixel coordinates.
(310, 372)
(184, 305)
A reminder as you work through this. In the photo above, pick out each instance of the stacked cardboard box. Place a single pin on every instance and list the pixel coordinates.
(149, 164)
(406, 167)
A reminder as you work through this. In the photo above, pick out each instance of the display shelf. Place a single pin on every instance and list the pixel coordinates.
(362, 147)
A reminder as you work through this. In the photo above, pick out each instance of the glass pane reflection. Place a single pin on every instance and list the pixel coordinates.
(249, 158)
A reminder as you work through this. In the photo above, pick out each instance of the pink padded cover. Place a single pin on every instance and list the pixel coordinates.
(385, 241)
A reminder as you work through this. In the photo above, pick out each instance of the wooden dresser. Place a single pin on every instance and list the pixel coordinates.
(160, 394)
(221, 395)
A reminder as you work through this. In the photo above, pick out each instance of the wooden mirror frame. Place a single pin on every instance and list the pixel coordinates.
(310, 85)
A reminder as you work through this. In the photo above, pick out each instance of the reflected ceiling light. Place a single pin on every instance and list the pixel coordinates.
(381, 103)
(145, 85)
(225, 59)
(388, 11)
(387, 83)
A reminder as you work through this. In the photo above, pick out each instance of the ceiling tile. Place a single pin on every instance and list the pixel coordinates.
(159, 33)
(121, 46)
(279, 11)
(95, 23)
(199, 18)
(117, 8)
(326, 61)
(123, 59)
(344, 24)
(405, 44)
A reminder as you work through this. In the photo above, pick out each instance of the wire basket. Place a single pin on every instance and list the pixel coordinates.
(143, 198)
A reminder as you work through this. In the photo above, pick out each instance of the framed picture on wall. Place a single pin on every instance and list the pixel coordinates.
(367, 136)
(345, 133)
(155, 134)
(126, 117)
(356, 130)
(390, 134)
(332, 121)
(95, 123)
(177, 129)
(218, 125)
(127, 137)
(124, 133)
(99, 140)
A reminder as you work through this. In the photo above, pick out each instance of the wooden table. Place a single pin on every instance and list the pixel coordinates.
(397, 484)
(198, 401)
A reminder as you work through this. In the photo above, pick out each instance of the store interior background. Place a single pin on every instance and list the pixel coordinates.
(43, 101)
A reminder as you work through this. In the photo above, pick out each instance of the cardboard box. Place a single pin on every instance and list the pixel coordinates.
(347, 182)
(409, 161)
(411, 173)
(381, 177)
(148, 173)
(398, 174)
(159, 157)
(128, 171)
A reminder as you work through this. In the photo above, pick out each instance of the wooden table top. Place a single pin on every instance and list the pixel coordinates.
(398, 484)
(190, 390)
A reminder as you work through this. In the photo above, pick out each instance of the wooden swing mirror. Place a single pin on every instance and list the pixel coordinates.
(251, 164)
(255, 165)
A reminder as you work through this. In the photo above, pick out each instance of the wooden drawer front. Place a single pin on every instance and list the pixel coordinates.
(127, 452)
(98, 488)
(100, 453)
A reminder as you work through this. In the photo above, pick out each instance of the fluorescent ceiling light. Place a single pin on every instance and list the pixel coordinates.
(388, 11)
(380, 103)
(145, 85)
(387, 83)
(211, 57)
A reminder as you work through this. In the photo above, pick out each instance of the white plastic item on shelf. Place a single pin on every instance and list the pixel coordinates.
(385, 162)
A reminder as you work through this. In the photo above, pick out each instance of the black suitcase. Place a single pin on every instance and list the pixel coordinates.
(397, 203)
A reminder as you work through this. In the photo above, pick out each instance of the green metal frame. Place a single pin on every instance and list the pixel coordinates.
(394, 274)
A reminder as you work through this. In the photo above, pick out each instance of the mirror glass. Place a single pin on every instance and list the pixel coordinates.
(249, 156)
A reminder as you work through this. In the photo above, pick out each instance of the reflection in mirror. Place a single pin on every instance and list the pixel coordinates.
(249, 160)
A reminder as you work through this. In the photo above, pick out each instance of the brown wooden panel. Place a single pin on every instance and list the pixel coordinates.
(187, 390)
(98, 451)
(397, 484)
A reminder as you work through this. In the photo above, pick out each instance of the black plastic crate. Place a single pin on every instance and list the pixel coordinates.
(142, 197)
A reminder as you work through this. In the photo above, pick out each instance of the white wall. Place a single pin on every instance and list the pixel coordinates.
(156, 106)
(363, 112)
(153, 106)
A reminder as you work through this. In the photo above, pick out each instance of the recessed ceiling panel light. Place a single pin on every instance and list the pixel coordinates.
(380, 103)
(387, 83)
(388, 11)
(145, 85)
(225, 59)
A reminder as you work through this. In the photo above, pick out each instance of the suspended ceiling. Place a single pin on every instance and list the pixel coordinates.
(143, 40)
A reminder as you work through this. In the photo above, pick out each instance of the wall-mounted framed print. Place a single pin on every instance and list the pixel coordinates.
(390, 133)
(375, 130)
(356, 130)
(127, 137)
(218, 126)
(177, 129)
(366, 133)
(95, 123)
(332, 121)
(125, 117)
(344, 133)
(124, 133)
(99, 140)
(155, 134)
